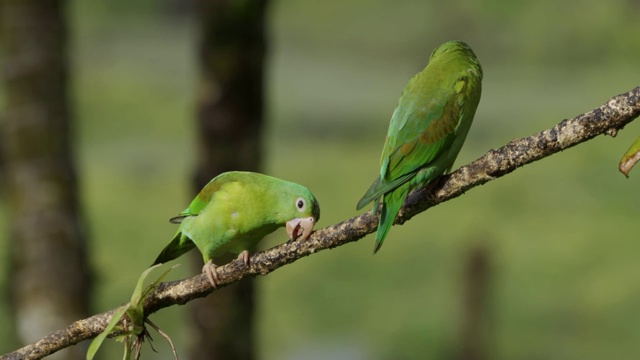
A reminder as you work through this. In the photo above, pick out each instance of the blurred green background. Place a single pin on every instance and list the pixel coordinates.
(561, 233)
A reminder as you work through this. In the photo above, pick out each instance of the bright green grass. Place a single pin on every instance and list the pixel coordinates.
(561, 232)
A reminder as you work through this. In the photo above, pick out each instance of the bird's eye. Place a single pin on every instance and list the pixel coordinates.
(301, 204)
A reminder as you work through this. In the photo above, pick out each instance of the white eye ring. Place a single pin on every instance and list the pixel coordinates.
(301, 204)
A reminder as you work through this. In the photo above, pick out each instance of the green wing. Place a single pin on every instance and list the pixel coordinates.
(422, 127)
(423, 131)
(180, 243)
(201, 201)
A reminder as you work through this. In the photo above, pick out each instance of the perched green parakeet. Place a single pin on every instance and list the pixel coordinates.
(234, 211)
(427, 129)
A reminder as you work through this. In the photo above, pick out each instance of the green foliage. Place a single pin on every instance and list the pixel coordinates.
(97, 342)
(132, 331)
(630, 158)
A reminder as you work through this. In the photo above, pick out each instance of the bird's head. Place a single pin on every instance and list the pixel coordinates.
(307, 213)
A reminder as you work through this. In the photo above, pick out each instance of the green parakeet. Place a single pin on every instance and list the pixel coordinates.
(427, 129)
(234, 211)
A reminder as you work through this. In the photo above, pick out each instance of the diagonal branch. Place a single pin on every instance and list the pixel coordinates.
(607, 119)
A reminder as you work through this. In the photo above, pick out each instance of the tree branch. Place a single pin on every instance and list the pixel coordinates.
(607, 119)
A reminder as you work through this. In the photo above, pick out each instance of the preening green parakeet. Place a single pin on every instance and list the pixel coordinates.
(234, 211)
(427, 129)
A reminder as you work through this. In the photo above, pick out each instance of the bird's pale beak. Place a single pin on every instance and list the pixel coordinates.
(300, 228)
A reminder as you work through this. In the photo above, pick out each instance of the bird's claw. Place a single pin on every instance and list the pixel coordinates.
(209, 269)
(244, 256)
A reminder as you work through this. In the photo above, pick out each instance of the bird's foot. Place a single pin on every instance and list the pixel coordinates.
(210, 270)
(245, 257)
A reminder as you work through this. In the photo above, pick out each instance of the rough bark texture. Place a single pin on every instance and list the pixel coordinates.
(49, 281)
(607, 119)
(230, 118)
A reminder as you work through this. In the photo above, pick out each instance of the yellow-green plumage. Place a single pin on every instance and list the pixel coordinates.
(234, 211)
(427, 129)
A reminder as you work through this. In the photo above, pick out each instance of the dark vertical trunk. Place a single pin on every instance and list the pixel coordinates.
(475, 327)
(49, 281)
(230, 118)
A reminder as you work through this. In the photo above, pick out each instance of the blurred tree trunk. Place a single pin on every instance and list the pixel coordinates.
(474, 341)
(230, 118)
(49, 277)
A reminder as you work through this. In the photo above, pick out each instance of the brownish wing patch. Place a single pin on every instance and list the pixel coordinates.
(447, 123)
(407, 147)
(439, 128)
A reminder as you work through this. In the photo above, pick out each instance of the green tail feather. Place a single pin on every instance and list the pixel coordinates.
(178, 246)
(378, 188)
(391, 205)
(370, 195)
(376, 206)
